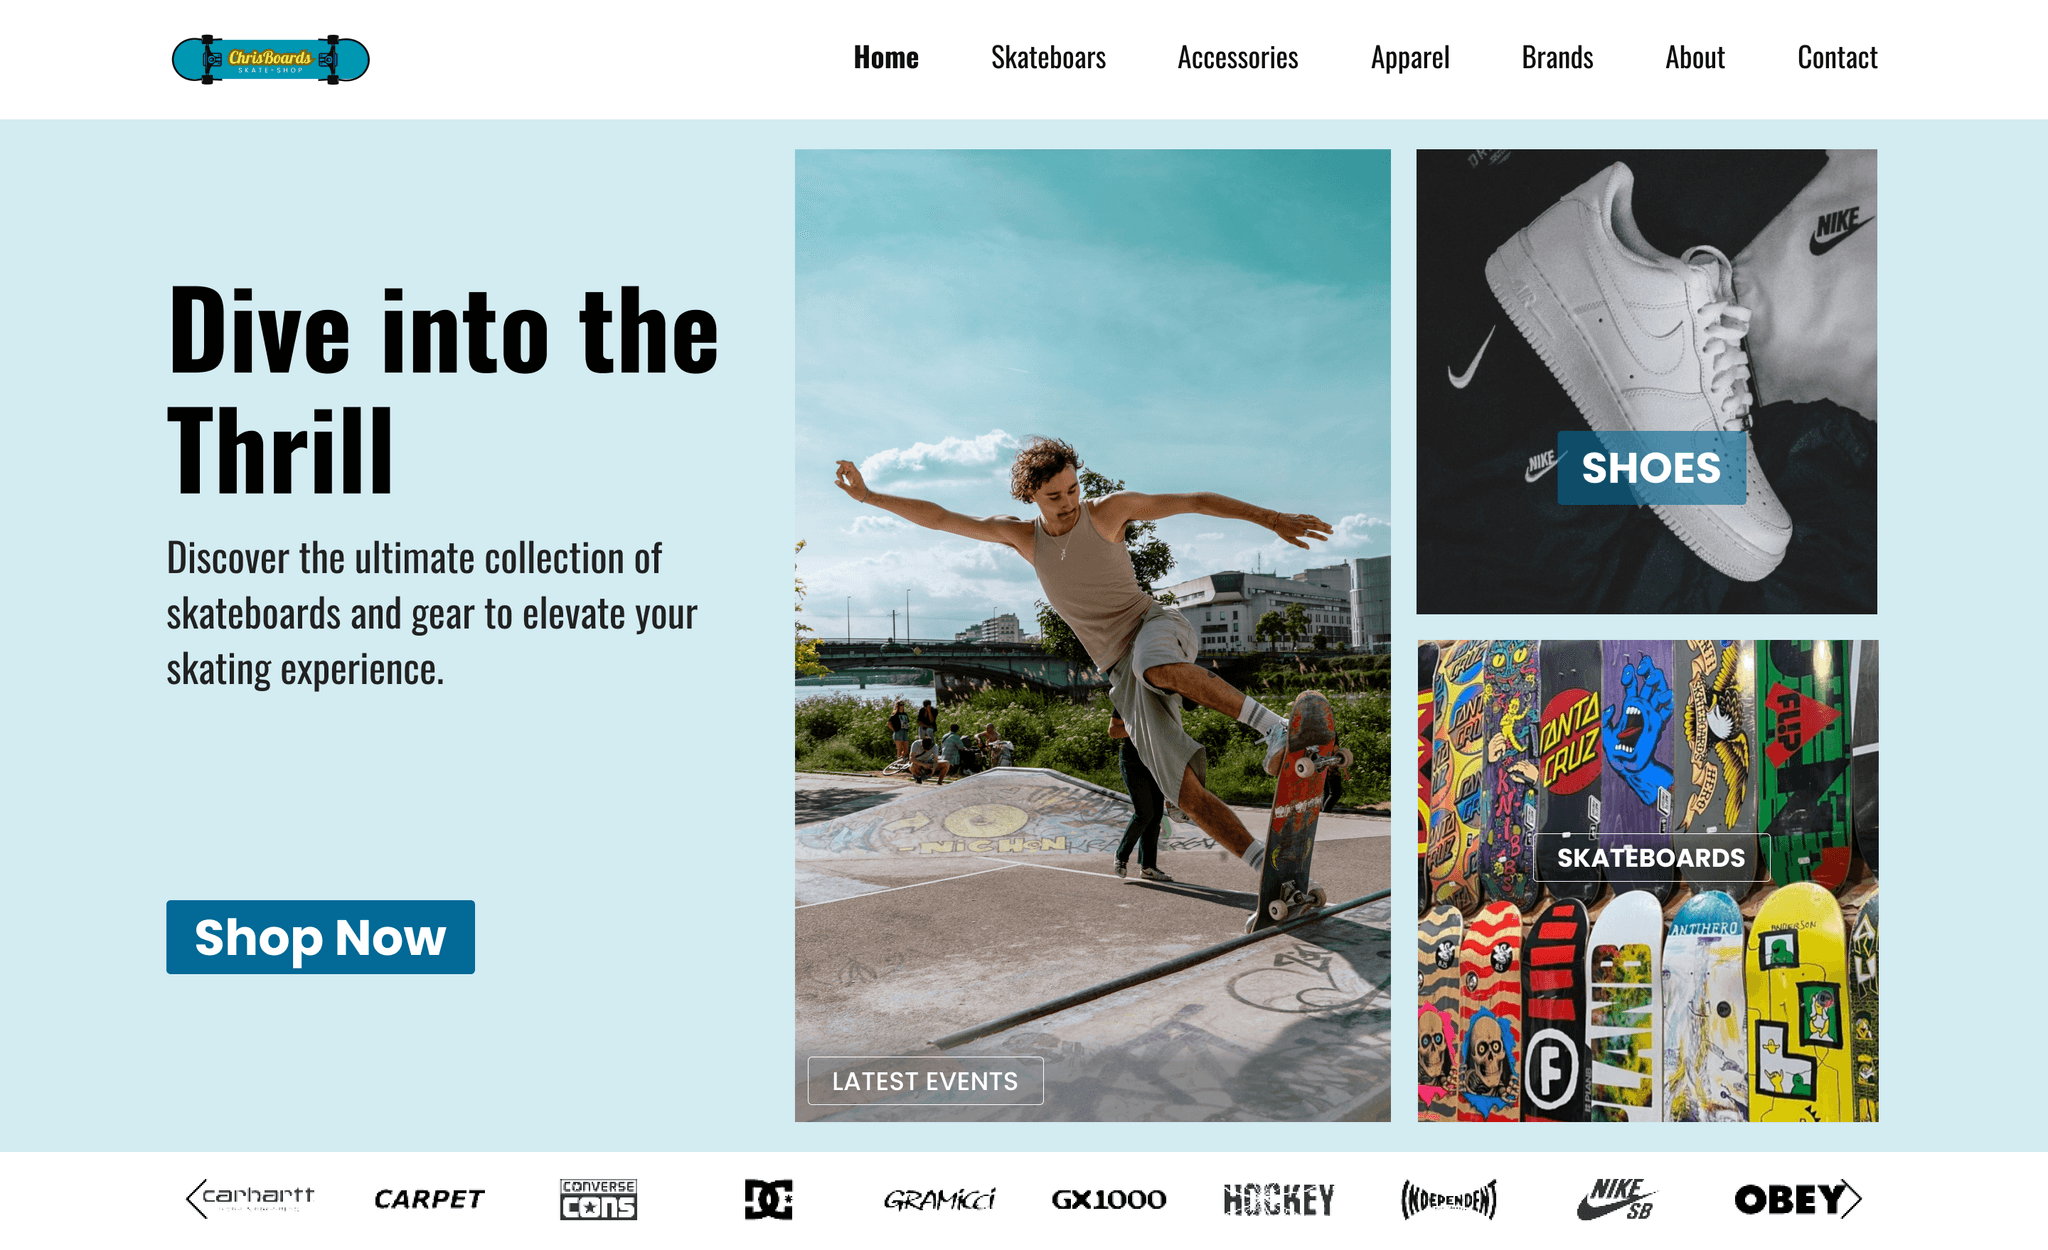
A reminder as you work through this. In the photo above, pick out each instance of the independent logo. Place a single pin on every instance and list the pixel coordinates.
(1484, 1200)
(1462, 380)
(1609, 1195)
(1837, 1199)
(771, 1200)
(1834, 227)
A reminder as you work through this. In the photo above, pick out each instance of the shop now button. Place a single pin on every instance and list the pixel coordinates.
(410, 937)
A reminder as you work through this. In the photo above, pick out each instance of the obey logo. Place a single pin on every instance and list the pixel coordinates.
(1823, 1199)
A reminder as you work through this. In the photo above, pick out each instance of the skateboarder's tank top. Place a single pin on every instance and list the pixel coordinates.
(1091, 584)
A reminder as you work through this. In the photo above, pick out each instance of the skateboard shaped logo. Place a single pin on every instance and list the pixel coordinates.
(331, 60)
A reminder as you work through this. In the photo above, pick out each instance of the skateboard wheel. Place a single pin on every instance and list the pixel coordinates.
(1304, 767)
(1277, 909)
(1344, 757)
(1318, 898)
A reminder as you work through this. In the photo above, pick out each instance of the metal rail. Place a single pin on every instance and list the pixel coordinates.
(1171, 966)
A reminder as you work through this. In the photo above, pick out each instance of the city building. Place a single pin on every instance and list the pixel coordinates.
(996, 630)
(1347, 605)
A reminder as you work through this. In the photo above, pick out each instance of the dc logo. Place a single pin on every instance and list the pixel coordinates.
(1553, 1069)
(771, 1200)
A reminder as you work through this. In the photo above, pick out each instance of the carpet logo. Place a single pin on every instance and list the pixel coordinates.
(429, 1199)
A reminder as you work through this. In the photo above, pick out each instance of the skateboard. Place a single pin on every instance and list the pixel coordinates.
(1284, 888)
(1510, 776)
(209, 60)
(1637, 725)
(1490, 974)
(1456, 777)
(1437, 1015)
(1568, 747)
(1863, 749)
(1706, 1069)
(1713, 794)
(1863, 1020)
(1559, 869)
(1554, 1009)
(1624, 1019)
(1803, 776)
(1425, 725)
(1797, 964)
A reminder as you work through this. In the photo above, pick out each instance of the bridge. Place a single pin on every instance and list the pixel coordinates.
(961, 668)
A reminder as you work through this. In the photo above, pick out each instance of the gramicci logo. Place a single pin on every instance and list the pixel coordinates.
(940, 1200)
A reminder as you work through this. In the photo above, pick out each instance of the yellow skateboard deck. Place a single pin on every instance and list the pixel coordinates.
(1797, 965)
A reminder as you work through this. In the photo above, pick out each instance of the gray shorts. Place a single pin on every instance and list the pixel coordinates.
(1153, 715)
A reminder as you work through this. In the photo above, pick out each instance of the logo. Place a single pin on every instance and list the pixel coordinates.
(1800, 721)
(600, 1200)
(771, 1200)
(1553, 1069)
(1109, 1199)
(1278, 1199)
(248, 1198)
(331, 60)
(1609, 1196)
(1836, 1200)
(1569, 736)
(1832, 228)
(1481, 1201)
(940, 1200)
(429, 1199)
(1462, 380)
(1539, 465)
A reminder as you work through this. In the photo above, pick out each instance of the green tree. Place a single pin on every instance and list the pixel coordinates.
(1150, 560)
(1272, 628)
(1295, 624)
(1321, 642)
(806, 649)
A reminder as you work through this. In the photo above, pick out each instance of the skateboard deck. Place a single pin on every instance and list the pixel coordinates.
(1511, 775)
(1803, 777)
(1797, 965)
(1706, 1066)
(1554, 1011)
(1558, 866)
(1284, 889)
(1863, 749)
(1863, 1019)
(1425, 726)
(1456, 777)
(1568, 737)
(1438, 1014)
(1490, 972)
(330, 60)
(1637, 726)
(1713, 794)
(1623, 1019)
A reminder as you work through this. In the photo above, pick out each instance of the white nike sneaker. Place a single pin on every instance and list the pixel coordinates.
(1643, 341)
(1276, 747)
(1154, 874)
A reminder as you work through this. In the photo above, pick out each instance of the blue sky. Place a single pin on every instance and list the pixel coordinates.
(1189, 320)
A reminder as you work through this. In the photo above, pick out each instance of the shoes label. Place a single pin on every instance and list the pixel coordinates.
(1652, 467)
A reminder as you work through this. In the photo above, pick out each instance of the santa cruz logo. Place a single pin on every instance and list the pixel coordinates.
(1481, 1201)
(1109, 1199)
(1610, 1195)
(1278, 1199)
(1837, 1199)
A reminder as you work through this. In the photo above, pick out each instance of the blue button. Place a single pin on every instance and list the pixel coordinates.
(409, 937)
(1652, 467)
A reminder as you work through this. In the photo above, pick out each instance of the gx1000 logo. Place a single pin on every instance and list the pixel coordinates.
(1109, 1199)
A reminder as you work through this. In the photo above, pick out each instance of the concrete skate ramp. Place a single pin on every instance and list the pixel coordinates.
(1006, 811)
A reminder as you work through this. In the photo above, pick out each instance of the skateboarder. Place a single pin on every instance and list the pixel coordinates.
(1144, 647)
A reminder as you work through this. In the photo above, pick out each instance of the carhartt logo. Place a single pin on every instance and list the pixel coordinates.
(1461, 380)
(1540, 465)
(1611, 1195)
(1834, 227)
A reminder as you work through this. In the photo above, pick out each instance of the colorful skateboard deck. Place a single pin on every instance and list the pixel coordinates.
(1559, 870)
(1490, 969)
(1863, 1019)
(1706, 1065)
(1803, 775)
(1797, 968)
(1457, 776)
(209, 60)
(1425, 725)
(1511, 776)
(1554, 1011)
(1863, 749)
(1713, 793)
(1439, 1013)
(1568, 737)
(1624, 1019)
(1284, 889)
(1638, 724)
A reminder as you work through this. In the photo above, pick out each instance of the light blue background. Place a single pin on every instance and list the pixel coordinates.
(591, 793)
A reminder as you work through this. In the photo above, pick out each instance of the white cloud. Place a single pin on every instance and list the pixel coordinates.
(973, 452)
(869, 523)
(1356, 530)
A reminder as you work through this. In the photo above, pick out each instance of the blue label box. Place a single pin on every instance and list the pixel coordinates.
(1655, 467)
(413, 937)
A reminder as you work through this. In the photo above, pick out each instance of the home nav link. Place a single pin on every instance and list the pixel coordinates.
(1278, 1199)
(600, 1200)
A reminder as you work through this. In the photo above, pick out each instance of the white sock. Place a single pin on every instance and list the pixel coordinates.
(1255, 854)
(1260, 717)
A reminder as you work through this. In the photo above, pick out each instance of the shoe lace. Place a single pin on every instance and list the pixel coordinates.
(1722, 324)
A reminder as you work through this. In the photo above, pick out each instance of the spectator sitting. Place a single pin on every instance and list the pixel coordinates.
(949, 747)
(925, 759)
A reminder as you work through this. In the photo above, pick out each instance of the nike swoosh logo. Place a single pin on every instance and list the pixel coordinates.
(1587, 1211)
(1461, 380)
(1821, 247)
(1536, 470)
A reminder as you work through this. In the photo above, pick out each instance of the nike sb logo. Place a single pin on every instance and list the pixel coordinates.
(1462, 380)
(1611, 1195)
(1834, 227)
(1540, 464)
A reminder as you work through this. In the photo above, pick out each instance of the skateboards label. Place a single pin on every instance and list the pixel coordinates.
(1490, 972)
(1705, 1065)
(1511, 776)
(1439, 1015)
(1803, 790)
(1799, 1067)
(1554, 1011)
